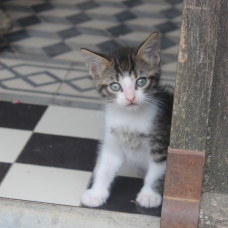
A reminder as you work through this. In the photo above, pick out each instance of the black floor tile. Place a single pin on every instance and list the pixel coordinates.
(124, 16)
(20, 116)
(4, 167)
(27, 21)
(60, 151)
(56, 49)
(167, 43)
(78, 18)
(119, 30)
(16, 36)
(109, 46)
(174, 1)
(171, 13)
(123, 195)
(166, 27)
(87, 5)
(42, 7)
(69, 33)
(133, 3)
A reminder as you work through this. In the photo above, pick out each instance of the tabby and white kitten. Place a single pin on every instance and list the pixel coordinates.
(137, 119)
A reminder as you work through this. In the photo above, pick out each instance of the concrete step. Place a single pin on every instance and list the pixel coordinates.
(25, 214)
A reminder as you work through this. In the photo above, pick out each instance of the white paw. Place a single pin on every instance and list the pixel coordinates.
(94, 198)
(149, 199)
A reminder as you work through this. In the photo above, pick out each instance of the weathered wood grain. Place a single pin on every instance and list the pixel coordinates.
(195, 70)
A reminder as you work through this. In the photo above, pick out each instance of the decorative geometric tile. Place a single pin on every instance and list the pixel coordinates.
(42, 7)
(16, 36)
(27, 21)
(82, 84)
(171, 13)
(40, 79)
(87, 39)
(98, 24)
(78, 18)
(56, 49)
(166, 27)
(69, 33)
(109, 46)
(6, 74)
(124, 16)
(120, 30)
(105, 10)
(87, 5)
(174, 1)
(166, 42)
(131, 3)
(4, 167)
(60, 152)
(20, 116)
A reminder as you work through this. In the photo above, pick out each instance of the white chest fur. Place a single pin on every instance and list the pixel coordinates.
(131, 128)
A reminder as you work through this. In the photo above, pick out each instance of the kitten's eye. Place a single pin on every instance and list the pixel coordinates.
(115, 87)
(141, 82)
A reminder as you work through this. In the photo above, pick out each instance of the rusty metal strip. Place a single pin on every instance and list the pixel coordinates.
(183, 181)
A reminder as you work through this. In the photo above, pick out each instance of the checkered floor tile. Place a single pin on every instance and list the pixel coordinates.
(48, 155)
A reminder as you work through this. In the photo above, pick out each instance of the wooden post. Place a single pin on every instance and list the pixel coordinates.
(199, 61)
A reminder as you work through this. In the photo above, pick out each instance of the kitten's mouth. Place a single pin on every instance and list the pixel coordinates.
(132, 104)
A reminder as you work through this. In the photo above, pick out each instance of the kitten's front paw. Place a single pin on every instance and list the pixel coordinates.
(94, 197)
(149, 199)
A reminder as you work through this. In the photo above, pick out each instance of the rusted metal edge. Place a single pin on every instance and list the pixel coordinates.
(182, 190)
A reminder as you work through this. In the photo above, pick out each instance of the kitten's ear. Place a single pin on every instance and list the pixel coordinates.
(94, 62)
(150, 49)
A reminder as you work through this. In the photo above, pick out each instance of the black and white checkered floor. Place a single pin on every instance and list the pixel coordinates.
(48, 153)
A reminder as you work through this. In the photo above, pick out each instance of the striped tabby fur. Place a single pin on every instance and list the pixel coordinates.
(137, 118)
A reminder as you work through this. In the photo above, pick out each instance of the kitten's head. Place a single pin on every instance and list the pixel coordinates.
(127, 77)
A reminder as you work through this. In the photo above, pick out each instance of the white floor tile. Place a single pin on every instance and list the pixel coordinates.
(71, 122)
(12, 142)
(45, 184)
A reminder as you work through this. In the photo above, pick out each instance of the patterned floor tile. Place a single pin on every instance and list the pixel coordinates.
(78, 18)
(27, 21)
(56, 49)
(119, 30)
(56, 30)
(130, 3)
(124, 16)
(16, 36)
(68, 33)
(87, 5)
(42, 7)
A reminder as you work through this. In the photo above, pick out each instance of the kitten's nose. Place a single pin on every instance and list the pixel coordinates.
(130, 99)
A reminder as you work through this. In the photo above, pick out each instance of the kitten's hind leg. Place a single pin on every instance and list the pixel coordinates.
(148, 197)
(107, 168)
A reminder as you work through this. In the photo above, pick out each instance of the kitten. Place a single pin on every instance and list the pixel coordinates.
(137, 119)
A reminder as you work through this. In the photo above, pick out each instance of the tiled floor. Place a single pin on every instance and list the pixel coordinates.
(42, 63)
(48, 141)
(48, 153)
